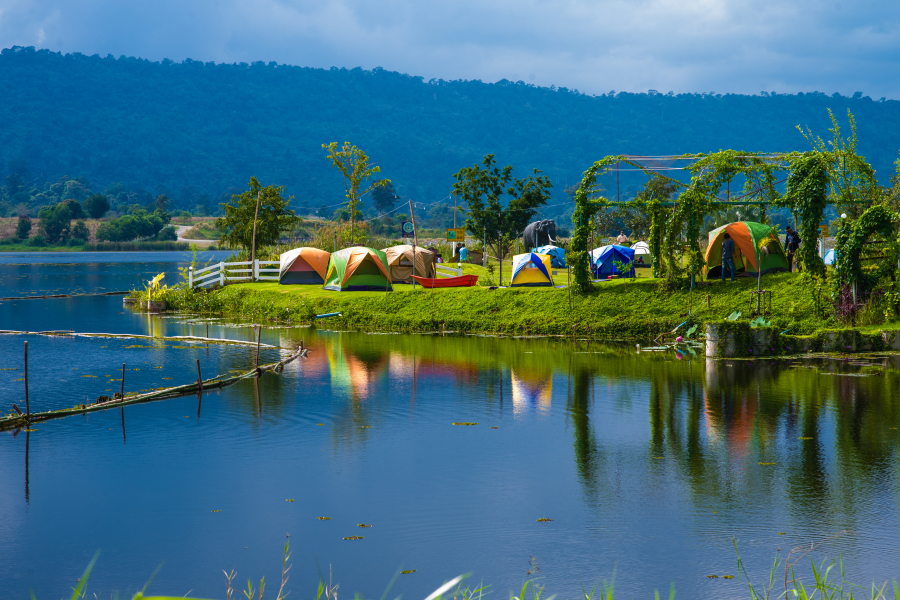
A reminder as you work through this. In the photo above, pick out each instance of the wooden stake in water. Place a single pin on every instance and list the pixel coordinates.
(27, 407)
(258, 332)
(123, 380)
(199, 379)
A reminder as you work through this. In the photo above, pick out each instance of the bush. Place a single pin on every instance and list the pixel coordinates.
(23, 227)
(56, 221)
(37, 240)
(74, 209)
(73, 241)
(80, 231)
(167, 234)
(138, 225)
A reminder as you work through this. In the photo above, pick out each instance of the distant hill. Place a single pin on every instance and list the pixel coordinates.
(195, 130)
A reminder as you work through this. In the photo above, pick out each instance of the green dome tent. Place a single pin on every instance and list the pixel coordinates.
(754, 244)
(358, 269)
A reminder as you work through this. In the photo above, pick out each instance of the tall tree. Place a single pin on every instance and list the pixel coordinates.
(96, 206)
(483, 189)
(162, 202)
(385, 198)
(353, 164)
(274, 216)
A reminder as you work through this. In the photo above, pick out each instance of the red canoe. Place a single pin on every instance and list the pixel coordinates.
(442, 282)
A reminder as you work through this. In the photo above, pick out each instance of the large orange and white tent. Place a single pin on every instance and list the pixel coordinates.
(304, 266)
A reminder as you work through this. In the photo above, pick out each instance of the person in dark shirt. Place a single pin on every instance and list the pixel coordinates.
(792, 243)
(727, 256)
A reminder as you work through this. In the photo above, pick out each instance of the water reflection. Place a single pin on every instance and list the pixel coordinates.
(644, 461)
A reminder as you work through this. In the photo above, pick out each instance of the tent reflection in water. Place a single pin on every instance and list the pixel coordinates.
(358, 269)
(304, 266)
(400, 263)
(531, 270)
(754, 244)
(531, 391)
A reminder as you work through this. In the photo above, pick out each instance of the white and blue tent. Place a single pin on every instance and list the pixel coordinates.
(829, 257)
(531, 270)
(604, 259)
(557, 255)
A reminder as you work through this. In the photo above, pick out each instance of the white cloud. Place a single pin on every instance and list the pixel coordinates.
(595, 46)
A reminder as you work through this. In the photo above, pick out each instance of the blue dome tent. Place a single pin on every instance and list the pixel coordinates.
(603, 261)
(557, 255)
(829, 258)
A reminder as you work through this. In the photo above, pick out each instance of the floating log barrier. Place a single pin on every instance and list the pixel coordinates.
(171, 338)
(16, 421)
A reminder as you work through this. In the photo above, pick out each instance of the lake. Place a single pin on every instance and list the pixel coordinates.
(648, 465)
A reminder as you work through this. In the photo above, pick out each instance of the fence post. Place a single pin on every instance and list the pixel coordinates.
(256, 270)
(222, 274)
(191, 278)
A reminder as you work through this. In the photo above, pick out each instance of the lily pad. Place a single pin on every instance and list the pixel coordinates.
(727, 576)
(765, 464)
(407, 572)
(495, 428)
(544, 520)
(324, 518)
(712, 576)
(217, 511)
(465, 423)
(289, 500)
(354, 537)
(804, 438)
(362, 525)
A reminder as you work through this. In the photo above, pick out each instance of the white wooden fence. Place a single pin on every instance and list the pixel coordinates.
(233, 271)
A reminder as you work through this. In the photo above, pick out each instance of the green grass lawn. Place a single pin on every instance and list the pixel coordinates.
(622, 308)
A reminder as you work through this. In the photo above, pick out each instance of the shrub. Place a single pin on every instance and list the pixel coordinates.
(80, 231)
(167, 234)
(37, 240)
(56, 221)
(23, 227)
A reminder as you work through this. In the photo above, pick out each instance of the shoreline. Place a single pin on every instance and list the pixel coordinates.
(622, 310)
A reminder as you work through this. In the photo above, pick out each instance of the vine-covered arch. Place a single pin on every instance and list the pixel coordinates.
(851, 238)
(710, 173)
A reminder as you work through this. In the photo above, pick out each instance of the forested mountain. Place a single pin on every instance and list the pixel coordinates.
(197, 130)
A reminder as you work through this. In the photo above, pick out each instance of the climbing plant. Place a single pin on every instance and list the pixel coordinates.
(675, 232)
(852, 180)
(851, 238)
(807, 197)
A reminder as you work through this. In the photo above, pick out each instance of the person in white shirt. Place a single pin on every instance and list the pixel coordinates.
(622, 238)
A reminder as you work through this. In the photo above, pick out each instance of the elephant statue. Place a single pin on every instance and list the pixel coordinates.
(539, 233)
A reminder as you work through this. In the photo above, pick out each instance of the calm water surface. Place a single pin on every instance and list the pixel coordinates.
(648, 465)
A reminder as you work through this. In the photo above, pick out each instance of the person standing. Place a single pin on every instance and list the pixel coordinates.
(622, 238)
(792, 243)
(463, 253)
(727, 256)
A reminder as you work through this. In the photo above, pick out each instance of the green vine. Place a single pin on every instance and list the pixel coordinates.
(851, 238)
(807, 197)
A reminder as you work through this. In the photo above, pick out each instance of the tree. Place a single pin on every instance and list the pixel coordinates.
(354, 166)
(56, 222)
(384, 198)
(96, 206)
(75, 209)
(14, 184)
(274, 216)
(23, 227)
(482, 189)
(167, 234)
(162, 202)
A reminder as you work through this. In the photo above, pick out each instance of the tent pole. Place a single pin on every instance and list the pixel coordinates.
(415, 240)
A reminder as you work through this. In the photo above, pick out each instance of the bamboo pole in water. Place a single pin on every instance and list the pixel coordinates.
(27, 406)
(123, 380)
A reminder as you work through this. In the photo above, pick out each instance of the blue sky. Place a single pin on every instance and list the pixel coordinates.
(742, 46)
